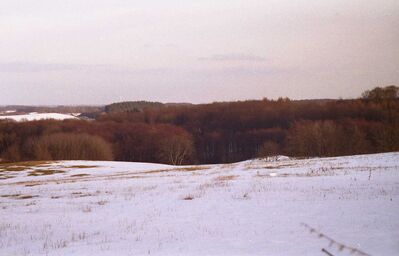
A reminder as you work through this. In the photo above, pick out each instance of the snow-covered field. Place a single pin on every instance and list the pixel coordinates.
(345, 205)
(37, 116)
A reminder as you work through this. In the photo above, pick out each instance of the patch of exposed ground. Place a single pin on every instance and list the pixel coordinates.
(19, 196)
(43, 172)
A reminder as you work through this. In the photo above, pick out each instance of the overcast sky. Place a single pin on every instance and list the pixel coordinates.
(98, 51)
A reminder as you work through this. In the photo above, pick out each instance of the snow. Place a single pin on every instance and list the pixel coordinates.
(274, 206)
(38, 116)
(7, 112)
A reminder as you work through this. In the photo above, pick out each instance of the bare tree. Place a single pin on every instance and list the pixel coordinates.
(177, 149)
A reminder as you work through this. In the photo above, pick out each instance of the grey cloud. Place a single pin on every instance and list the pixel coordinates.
(149, 45)
(30, 67)
(36, 67)
(194, 73)
(243, 70)
(234, 57)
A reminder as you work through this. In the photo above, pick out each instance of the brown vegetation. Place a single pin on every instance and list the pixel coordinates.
(68, 146)
(214, 133)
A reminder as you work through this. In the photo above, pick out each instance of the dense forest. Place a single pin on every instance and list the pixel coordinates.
(213, 133)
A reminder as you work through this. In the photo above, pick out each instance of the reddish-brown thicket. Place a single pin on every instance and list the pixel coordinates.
(147, 143)
(70, 139)
(69, 146)
(222, 132)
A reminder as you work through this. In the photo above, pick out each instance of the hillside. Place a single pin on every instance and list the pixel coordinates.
(216, 133)
(37, 116)
(20, 109)
(270, 206)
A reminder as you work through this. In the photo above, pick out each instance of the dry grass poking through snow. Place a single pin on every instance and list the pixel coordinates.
(226, 178)
(252, 208)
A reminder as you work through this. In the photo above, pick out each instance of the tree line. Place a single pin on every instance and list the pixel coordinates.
(214, 133)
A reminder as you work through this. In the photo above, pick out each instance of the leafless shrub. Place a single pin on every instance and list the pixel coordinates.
(188, 197)
(102, 202)
(79, 236)
(58, 244)
(149, 188)
(86, 209)
(177, 149)
(66, 146)
(322, 171)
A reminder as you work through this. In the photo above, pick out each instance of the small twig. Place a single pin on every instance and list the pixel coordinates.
(327, 252)
(341, 246)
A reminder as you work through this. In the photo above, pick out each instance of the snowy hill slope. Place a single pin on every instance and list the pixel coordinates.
(344, 205)
(37, 116)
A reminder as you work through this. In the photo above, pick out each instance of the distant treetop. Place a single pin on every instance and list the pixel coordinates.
(132, 106)
(382, 93)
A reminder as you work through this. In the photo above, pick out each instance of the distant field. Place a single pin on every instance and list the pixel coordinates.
(37, 116)
(272, 206)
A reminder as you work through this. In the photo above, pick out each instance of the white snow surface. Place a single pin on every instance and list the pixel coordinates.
(38, 116)
(256, 207)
